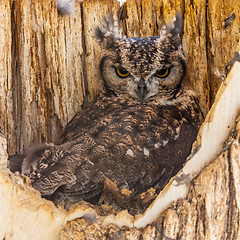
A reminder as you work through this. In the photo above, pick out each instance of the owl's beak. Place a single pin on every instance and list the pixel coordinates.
(141, 90)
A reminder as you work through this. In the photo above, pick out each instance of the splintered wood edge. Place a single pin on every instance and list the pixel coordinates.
(219, 121)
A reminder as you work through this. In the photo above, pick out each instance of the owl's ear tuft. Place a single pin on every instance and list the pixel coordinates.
(105, 39)
(108, 32)
(99, 34)
(177, 25)
(112, 26)
(174, 29)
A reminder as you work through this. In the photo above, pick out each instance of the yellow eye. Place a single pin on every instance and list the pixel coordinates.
(122, 72)
(162, 73)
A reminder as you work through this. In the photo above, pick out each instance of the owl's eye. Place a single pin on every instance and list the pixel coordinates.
(162, 73)
(121, 72)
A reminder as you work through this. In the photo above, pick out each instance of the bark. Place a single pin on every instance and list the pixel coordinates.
(49, 69)
(54, 69)
(6, 86)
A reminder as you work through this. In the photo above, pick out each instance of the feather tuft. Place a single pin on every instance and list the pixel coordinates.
(66, 7)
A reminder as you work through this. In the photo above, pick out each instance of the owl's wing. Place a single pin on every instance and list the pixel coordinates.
(134, 146)
(87, 118)
(157, 146)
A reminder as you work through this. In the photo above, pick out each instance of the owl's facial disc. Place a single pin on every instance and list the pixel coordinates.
(137, 89)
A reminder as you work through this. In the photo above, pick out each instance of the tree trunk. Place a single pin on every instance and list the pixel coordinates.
(49, 70)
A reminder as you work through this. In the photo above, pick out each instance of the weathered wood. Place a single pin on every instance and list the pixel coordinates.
(195, 47)
(55, 67)
(222, 37)
(49, 70)
(6, 86)
(55, 58)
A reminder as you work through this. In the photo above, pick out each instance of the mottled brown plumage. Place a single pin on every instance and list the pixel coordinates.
(138, 132)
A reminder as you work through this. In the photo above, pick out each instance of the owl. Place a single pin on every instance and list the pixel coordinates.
(138, 132)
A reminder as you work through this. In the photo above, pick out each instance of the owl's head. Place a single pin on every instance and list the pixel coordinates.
(142, 67)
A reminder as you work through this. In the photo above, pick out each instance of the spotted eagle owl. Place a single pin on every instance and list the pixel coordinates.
(137, 133)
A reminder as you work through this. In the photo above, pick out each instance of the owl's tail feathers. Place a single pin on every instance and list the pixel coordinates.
(23, 162)
(62, 195)
(15, 162)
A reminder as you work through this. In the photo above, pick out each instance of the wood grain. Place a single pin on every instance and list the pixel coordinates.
(50, 61)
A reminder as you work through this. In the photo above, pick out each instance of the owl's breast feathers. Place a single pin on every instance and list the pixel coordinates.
(134, 145)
